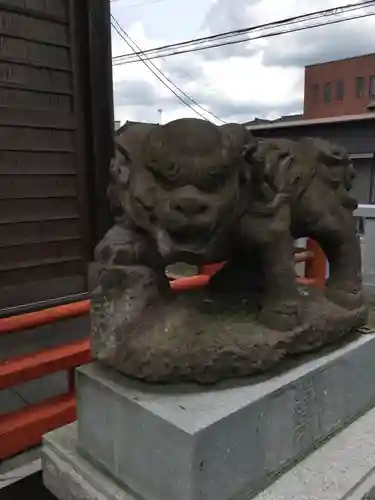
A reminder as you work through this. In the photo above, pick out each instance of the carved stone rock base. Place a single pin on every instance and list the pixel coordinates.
(204, 337)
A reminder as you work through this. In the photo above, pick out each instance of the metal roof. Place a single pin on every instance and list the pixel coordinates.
(313, 121)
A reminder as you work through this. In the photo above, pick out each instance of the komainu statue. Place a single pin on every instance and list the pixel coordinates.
(193, 192)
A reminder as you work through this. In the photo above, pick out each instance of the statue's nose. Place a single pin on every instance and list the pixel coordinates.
(189, 206)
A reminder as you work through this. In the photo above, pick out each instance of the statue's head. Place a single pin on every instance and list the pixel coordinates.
(185, 183)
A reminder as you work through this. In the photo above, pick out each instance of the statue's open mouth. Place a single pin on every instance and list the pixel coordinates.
(190, 238)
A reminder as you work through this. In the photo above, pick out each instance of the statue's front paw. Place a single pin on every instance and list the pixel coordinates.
(281, 316)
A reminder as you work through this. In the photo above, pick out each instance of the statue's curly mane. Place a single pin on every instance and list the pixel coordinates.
(280, 164)
(334, 164)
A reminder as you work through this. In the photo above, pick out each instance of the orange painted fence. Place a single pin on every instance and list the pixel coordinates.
(22, 429)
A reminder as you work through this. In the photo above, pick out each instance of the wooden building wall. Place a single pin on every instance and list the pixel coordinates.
(46, 149)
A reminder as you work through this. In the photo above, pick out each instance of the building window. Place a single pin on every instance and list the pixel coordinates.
(315, 93)
(372, 86)
(327, 92)
(359, 87)
(339, 90)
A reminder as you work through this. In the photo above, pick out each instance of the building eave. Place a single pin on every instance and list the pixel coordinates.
(314, 121)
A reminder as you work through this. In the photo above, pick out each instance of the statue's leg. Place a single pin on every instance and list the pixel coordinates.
(334, 228)
(274, 245)
(344, 285)
(128, 286)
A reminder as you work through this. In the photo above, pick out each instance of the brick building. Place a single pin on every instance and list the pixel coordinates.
(336, 88)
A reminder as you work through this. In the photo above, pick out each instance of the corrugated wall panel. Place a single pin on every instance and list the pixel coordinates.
(356, 136)
(44, 246)
(362, 182)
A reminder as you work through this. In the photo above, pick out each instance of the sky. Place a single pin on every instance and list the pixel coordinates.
(261, 78)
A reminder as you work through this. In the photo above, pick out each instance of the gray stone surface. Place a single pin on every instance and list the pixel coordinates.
(223, 442)
(343, 468)
(20, 466)
(69, 476)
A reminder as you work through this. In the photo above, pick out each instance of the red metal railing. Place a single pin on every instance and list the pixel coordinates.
(22, 429)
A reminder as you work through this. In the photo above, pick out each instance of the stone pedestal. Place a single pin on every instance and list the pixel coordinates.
(226, 442)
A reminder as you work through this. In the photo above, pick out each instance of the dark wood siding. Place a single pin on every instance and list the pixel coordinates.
(44, 240)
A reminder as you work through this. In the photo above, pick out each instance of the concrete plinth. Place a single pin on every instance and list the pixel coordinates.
(221, 443)
(343, 468)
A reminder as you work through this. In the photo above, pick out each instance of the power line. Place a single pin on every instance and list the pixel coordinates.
(197, 49)
(145, 61)
(140, 4)
(232, 33)
(156, 72)
(194, 44)
(180, 69)
(285, 21)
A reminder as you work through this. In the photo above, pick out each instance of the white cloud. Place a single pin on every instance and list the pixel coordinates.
(262, 78)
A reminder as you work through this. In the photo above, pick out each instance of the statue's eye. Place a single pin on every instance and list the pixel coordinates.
(171, 171)
(162, 179)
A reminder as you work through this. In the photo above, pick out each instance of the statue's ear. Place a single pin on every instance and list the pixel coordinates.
(119, 180)
(119, 166)
(270, 162)
(249, 149)
(237, 138)
(254, 157)
(277, 171)
(123, 152)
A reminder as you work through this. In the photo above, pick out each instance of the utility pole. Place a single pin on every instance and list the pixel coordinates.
(160, 111)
